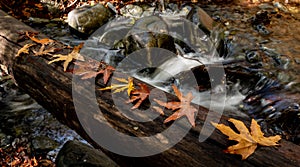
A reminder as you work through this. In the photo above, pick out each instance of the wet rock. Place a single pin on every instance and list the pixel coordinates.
(260, 21)
(148, 32)
(75, 154)
(213, 30)
(44, 143)
(132, 11)
(86, 19)
(199, 17)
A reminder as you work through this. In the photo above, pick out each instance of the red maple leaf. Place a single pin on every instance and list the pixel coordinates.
(182, 108)
(139, 94)
(90, 69)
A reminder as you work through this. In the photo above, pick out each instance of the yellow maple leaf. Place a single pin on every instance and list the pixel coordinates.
(128, 84)
(24, 49)
(247, 142)
(74, 55)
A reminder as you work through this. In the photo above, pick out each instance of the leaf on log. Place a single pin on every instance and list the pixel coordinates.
(182, 108)
(247, 142)
(74, 55)
(139, 94)
(24, 49)
(128, 84)
(91, 69)
(44, 41)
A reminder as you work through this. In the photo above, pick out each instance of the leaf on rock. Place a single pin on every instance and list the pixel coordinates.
(139, 94)
(24, 49)
(74, 55)
(247, 142)
(182, 108)
(121, 87)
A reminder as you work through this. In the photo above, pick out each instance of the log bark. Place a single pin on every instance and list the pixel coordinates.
(52, 88)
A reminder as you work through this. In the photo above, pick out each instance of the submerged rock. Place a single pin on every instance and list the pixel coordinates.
(84, 20)
(78, 154)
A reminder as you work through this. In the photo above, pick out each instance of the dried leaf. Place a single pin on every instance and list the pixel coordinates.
(182, 108)
(247, 142)
(121, 87)
(24, 49)
(74, 55)
(44, 41)
(91, 69)
(42, 51)
(139, 94)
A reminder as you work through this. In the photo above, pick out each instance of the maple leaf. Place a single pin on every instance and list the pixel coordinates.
(139, 94)
(247, 142)
(91, 69)
(70, 57)
(24, 49)
(182, 108)
(107, 71)
(121, 87)
(44, 41)
(42, 51)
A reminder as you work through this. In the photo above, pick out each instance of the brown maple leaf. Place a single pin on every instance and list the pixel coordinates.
(70, 57)
(247, 142)
(91, 69)
(106, 70)
(139, 94)
(182, 108)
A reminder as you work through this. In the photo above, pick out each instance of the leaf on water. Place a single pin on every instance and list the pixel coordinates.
(44, 41)
(74, 55)
(247, 142)
(139, 94)
(182, 108)
(128, 84)
(24, 49)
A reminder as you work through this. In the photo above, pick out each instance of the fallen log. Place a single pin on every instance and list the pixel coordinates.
(51, 87)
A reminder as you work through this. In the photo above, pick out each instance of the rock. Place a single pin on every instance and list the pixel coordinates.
(149, 31)
(84, 20)
(215, 31)
(44, 143)
(77, 154)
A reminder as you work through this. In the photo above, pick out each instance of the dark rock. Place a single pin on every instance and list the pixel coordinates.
(145, 33)
(76, 154)
(84, 20)
(215, 31)
(44, 143)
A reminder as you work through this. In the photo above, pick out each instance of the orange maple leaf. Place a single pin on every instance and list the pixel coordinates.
(182, 108)
(70, 57)
(44, 41)
(24, 49)
(139, 94)
(247, 142)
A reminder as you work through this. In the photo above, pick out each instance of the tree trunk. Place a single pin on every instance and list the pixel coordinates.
(51, 87)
